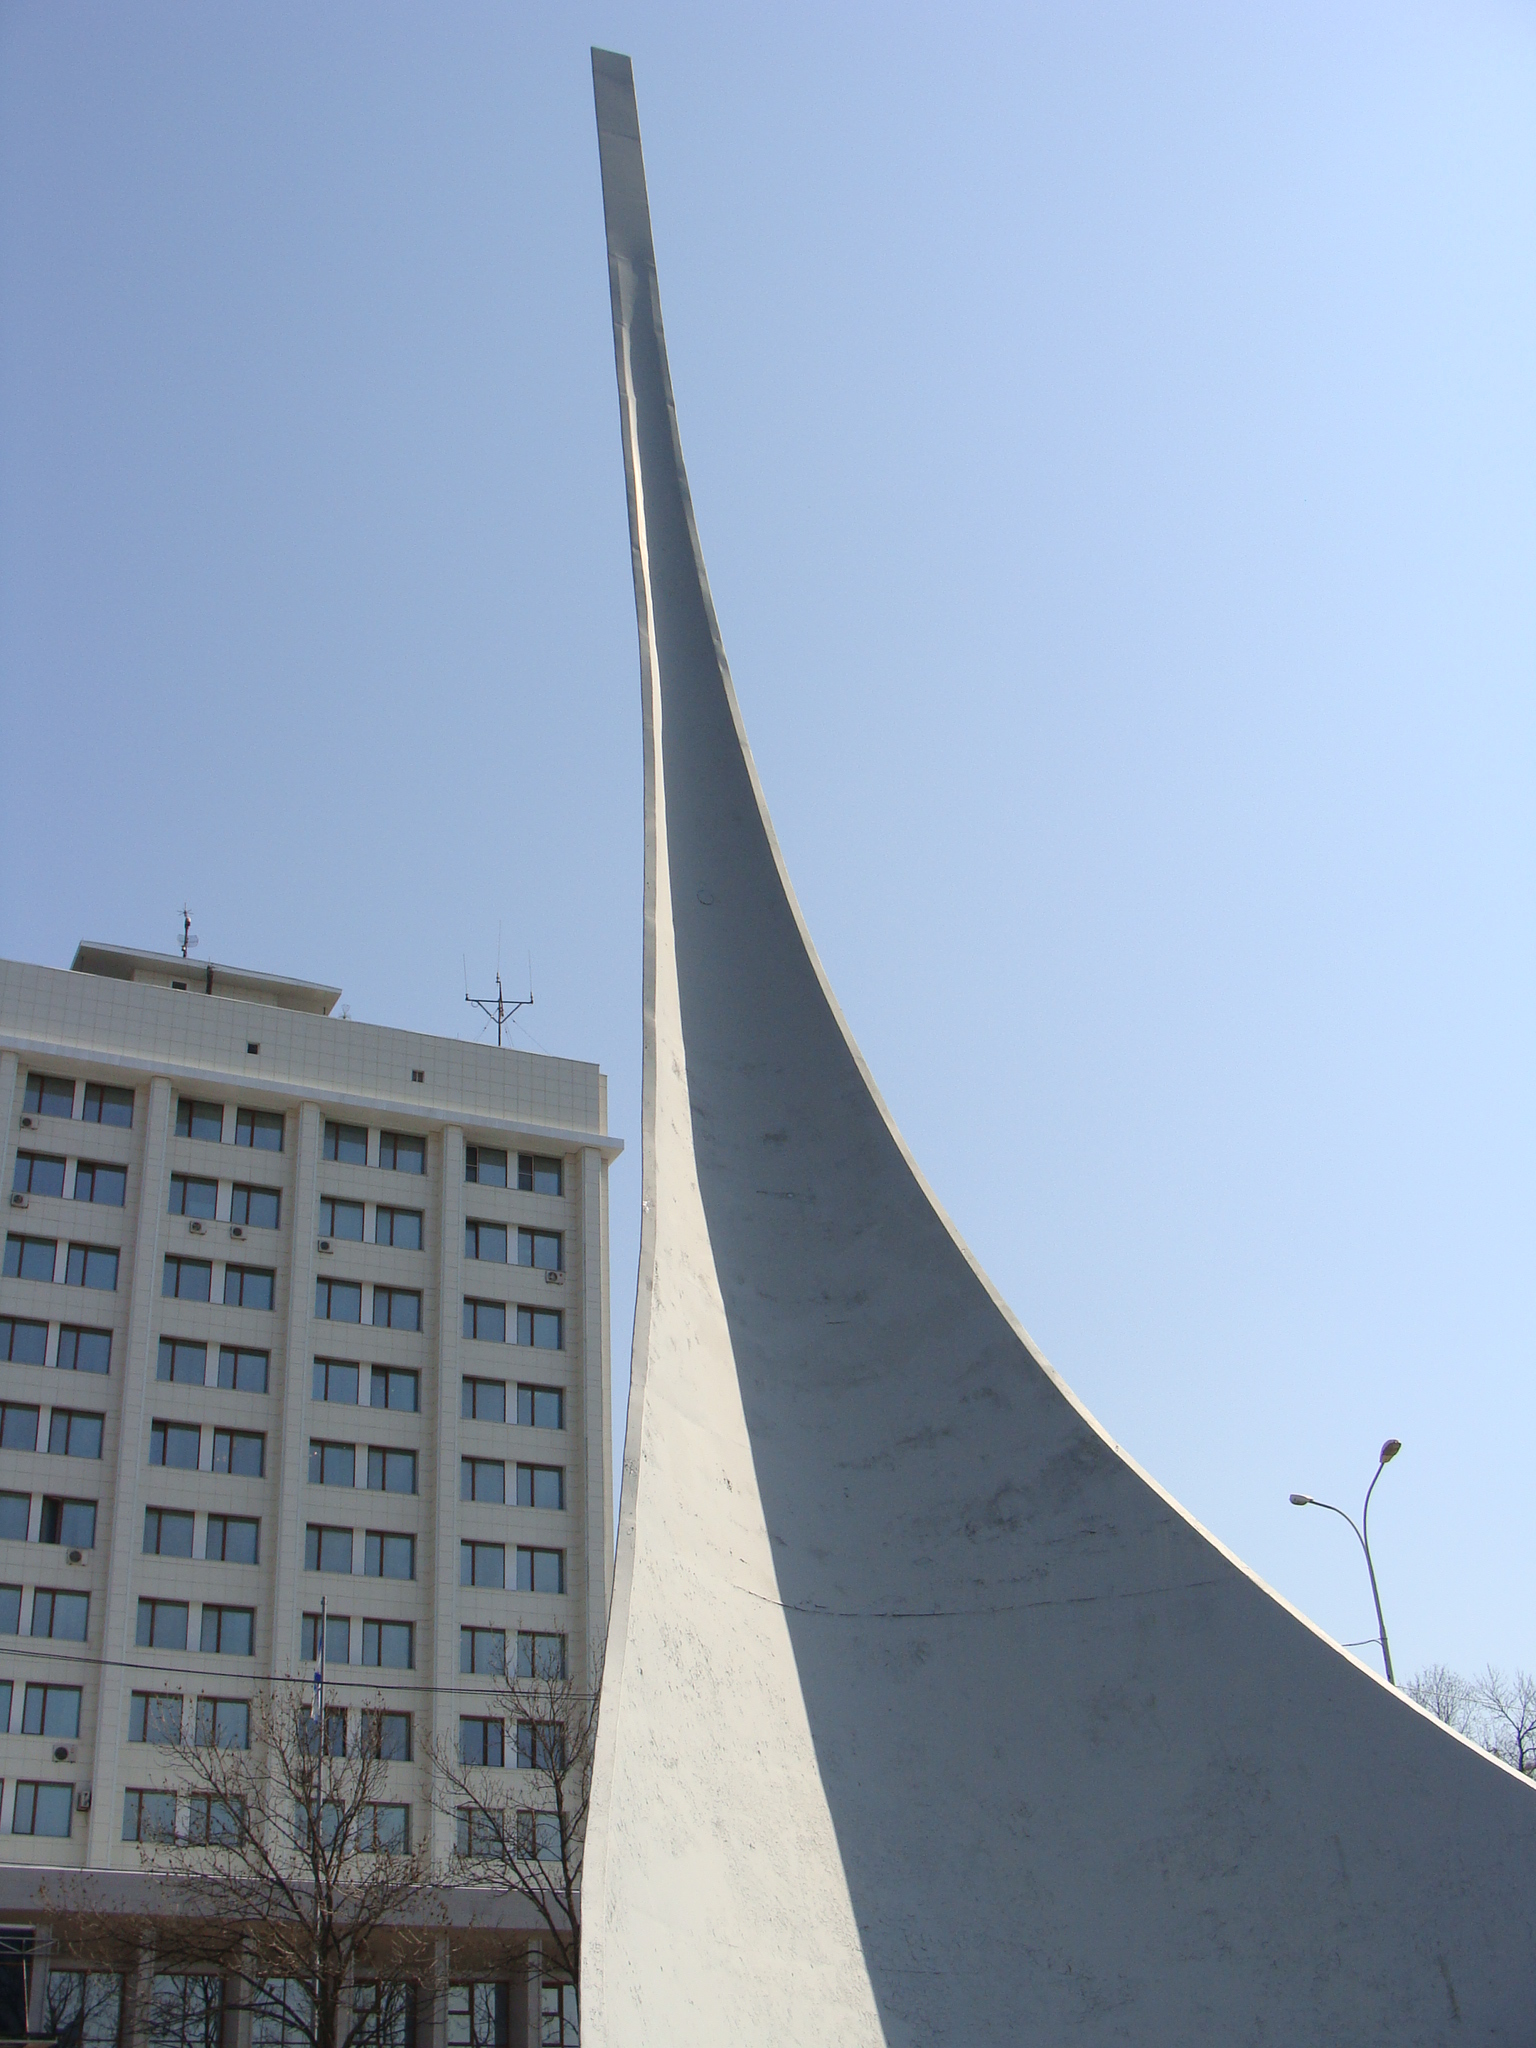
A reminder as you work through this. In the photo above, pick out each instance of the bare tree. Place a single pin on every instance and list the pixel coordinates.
(1446, 1694)
(526, 1836)
(290, 1875)
(1495, 1710)
(1508, 1710)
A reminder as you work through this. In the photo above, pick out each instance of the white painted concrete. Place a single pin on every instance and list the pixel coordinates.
(928, 1716)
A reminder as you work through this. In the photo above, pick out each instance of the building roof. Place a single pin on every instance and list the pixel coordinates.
(204, 977)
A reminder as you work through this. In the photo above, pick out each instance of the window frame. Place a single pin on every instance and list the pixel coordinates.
(335, 1202)
(334, 1135)
(469, 1476)
(198, 1111)
(469, 1398)
(12, 1327)
(182, 1184)
(246, 1189)
(22, 1181)
(249, 1122)
(387, 1298)
(247, 1280)
(101, 1096)
(41, 1096)
(94, 1169)
(183, 1261)
(393, 1142)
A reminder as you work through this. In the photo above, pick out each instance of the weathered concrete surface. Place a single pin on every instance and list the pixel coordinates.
(928, 1716)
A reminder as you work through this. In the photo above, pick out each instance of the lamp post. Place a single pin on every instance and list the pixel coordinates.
(1362, 1529)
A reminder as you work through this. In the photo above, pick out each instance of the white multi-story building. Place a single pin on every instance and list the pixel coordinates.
(294, 1308)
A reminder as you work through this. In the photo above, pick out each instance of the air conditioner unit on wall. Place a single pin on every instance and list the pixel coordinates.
(237, 1230)
(75, 1557)
(82, 1799)
(62, 1753)
(553, 1277)
(195, 1227)
(325, 1244)
(29, 1123)
(18, 1199)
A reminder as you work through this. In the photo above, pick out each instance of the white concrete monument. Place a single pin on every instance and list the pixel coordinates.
(928, 1716)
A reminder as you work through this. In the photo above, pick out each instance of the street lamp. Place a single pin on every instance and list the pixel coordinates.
(1389, 1451)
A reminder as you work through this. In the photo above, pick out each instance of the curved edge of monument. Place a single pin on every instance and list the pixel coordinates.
(927, 1715)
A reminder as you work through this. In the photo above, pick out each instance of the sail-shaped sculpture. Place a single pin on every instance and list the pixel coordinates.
(927, 1716)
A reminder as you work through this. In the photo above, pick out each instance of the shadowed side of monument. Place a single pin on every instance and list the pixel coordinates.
(927, 1715)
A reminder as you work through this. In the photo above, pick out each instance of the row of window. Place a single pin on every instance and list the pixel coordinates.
(393, 1308)
(72, 1432)
(36, 1258)
(238, 1370)
(259, 1129)
(262, 1129)
(59, 1615)
(227, 1539)
(345, 1222)
(253, 1208)
(242, 1453)
(23, 1342)
(54, 1095)
(385, 1555)
(391, 1645)
(399, 1151)
(222, 1632)
(68, 1522)
(486, 1167)
(489, 1321)
(192, 1280)
(85, 2009)
(46, 1710)
(537, 1407)
(540, 1248)
(385, 1645)
(388, 1470)
(41, 1173)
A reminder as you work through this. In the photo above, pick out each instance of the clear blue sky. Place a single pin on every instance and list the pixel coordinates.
(1111, 430)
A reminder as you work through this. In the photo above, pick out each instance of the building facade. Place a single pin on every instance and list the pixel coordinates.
(299, 1315)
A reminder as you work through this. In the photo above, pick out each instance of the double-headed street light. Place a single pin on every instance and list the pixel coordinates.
(1389, 1451)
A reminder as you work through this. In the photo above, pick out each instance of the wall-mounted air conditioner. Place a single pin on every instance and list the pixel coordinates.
(62, 1753)
(18, 1199)
(195, 1227)
(82, 1799)
(29, 1123)
(324, 1244)
(237, 1230)
(75, 1556)
(554, 1278)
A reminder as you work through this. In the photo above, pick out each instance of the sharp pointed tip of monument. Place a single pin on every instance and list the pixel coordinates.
(613, 64)
(613, 87)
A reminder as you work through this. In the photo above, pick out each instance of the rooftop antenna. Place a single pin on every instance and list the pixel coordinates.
(188, 936)
(499, 1010)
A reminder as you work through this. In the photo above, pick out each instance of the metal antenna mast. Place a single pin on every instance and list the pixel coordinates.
(501, 1012)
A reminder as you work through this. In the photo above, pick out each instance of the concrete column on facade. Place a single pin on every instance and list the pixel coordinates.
(440, 1717)
(138, 1991)
(288, 1536)
(238, 2026)
(42, 1949)
(432, 2025)
(10, 1069)
(526, 1994)
(117, 1608)
(596, 1405)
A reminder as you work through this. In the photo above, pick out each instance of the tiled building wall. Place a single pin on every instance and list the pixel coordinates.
(209, 1408)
